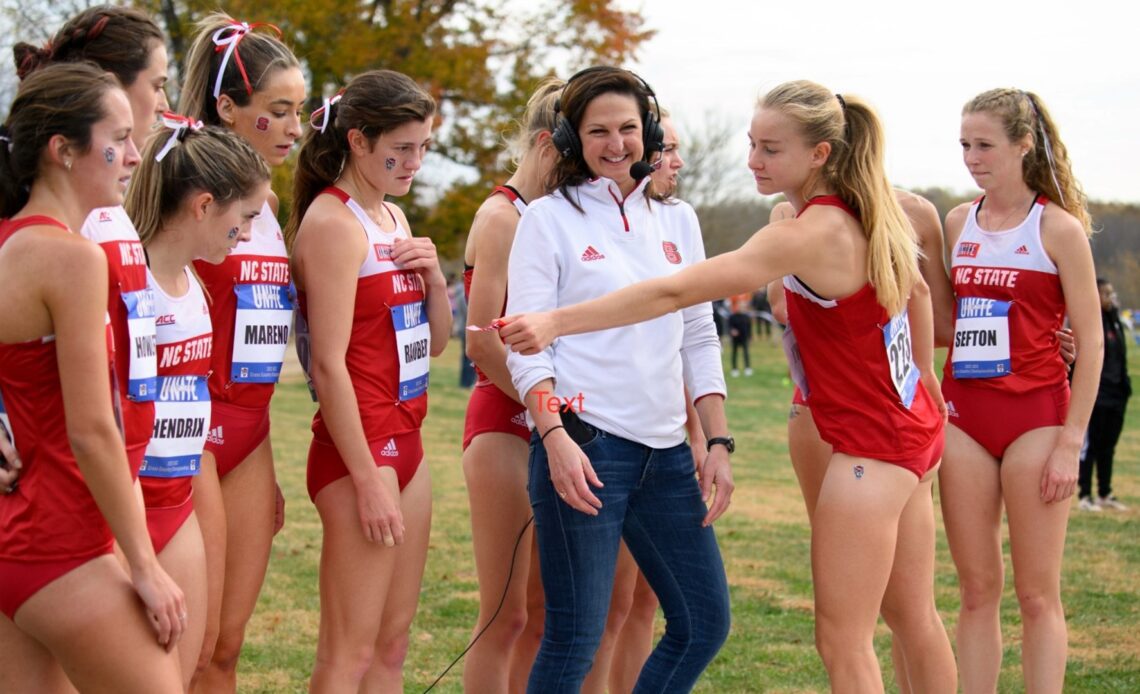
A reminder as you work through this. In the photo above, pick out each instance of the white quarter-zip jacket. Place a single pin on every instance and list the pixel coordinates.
(629, 380)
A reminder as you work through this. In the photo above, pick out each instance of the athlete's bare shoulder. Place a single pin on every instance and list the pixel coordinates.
(923, 216)
(782, 210)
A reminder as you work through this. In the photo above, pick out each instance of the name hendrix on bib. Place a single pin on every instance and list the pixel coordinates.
(182, 409)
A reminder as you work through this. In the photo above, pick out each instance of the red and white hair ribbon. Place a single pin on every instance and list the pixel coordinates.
(179, 126)
(324, 112)
(227, 39)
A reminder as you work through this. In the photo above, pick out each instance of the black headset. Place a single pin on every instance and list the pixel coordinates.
(565, 135)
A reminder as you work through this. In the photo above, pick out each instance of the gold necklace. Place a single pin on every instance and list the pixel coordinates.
(1001, 225)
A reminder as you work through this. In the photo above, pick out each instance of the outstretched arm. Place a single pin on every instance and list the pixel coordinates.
(773, 251)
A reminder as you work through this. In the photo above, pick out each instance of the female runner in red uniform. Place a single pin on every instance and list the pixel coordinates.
(243, 78)
(371, 334)
(1020, 261)
(852, 278)
(66, 149)
(194, 197)
(127, 43)
(495, 437)
(810, 454)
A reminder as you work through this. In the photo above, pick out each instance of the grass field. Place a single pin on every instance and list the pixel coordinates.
(764, 538)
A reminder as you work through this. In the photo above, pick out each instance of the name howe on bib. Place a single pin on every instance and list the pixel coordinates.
(141, 338)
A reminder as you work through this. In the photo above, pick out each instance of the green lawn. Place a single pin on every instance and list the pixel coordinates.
(764, 538)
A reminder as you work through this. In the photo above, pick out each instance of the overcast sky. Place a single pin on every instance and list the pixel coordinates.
(917, 62)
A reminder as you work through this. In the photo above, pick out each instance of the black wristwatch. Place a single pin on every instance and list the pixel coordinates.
(727, 441)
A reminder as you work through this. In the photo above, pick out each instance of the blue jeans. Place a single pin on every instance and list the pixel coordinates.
(651, 499)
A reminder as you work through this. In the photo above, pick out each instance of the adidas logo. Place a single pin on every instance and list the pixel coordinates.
(104, 216)
(519, 419)
(1022, 250)
(216, 437)
(591, 253)
(389, 450)
(950, 409)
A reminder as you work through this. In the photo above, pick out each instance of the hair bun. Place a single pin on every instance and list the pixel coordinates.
(29, 58)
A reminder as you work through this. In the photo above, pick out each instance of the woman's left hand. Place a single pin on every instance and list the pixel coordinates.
(1059, 477)
(934, 387)
(716, 471)
(529, 333)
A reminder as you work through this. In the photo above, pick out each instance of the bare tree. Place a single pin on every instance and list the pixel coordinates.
(714, 154)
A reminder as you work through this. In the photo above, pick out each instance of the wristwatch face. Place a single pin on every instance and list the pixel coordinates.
(728, 442)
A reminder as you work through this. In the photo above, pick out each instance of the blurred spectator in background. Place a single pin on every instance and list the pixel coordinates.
(1107, 418)
(740, 330)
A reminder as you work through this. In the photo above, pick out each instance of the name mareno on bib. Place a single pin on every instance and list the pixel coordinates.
(182, 408)
(981, 338)
(264, 304)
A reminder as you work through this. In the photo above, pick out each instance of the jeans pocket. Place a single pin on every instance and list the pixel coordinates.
(594, 435)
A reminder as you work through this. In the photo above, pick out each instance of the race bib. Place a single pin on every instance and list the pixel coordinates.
(413, 347)
(302, 342)
(181, 417)
(795, 362)
(6, 423)
(981, 338)
(141, 338)
(900, 357)
(261, 332)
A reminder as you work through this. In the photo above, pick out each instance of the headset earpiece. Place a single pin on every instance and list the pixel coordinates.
(564, 139)
(652, 134)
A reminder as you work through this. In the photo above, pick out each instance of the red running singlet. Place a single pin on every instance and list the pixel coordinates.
(490, 409)
(389, 347)
(182, 410)
(861, 382)
(130, 307)
(1009, 307)
(50, 524)
(251, 310)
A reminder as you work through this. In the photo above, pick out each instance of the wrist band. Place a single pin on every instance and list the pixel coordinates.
(542, 439)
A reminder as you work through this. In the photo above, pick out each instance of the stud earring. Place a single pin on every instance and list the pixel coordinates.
(67, 165)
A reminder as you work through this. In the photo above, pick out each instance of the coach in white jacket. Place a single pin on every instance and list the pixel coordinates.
(608, 456)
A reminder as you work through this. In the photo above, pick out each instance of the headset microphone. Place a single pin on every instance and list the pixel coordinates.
(640, 170)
